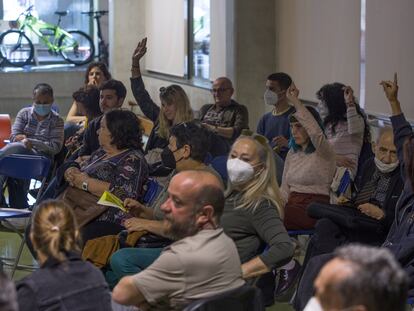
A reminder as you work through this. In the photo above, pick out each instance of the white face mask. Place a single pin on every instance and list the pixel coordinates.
(323, 110)
(270, 97)
(239, 171)
(385, 168)
(313, 305)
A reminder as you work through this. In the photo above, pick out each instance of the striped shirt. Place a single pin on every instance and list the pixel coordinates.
(46, 136)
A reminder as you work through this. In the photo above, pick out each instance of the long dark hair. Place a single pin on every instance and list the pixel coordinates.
(333, 96)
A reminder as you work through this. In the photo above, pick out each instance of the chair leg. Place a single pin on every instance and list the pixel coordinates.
(19, 254)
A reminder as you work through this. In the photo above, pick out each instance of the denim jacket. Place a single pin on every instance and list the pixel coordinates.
(71, 285)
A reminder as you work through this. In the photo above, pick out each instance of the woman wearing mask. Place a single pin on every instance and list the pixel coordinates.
(175, 106)
(307, 176)
(345, 126)
(64, 281)
(253, 210)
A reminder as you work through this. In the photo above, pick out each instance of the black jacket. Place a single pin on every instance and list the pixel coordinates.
(71, 285)
(400, 240)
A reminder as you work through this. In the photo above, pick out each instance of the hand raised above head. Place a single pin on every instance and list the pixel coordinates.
(348, 95)
(139, 52)
(292, 93)
(391, 88)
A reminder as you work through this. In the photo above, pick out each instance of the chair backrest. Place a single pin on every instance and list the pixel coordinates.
(152, 190)
(220, 166)
(25, 166)
(5, 128)
(245, 298)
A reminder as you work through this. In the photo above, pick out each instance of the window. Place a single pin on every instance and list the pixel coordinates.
(178, 34)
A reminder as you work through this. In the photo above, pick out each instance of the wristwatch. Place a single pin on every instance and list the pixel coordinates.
(85, 186)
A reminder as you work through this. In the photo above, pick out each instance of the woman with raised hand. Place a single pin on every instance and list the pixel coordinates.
(307, 175)
(175, 105)
(345, 125)
(64, 281)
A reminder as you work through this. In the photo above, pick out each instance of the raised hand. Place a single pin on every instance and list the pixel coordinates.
(139, 52)
(391, 88)
(292, 94)
(348, 95)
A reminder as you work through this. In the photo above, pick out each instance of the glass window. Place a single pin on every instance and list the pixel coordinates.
(201, 39)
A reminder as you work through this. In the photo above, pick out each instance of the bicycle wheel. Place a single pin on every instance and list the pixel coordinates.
(77, 49)
(16, 49)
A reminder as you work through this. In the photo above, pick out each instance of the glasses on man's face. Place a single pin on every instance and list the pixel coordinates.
(219, 90)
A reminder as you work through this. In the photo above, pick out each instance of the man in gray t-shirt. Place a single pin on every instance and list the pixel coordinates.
(202, 263)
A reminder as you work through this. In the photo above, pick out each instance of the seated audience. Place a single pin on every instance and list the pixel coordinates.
(399, 240)
(307, 176)
(64, 281)
(225, 117)
(275, 125)
(96, 74)
(253, 209)
(345, 125)
(201, 263)
(360, 278)
(87, 103)
(367, 218)
(36, 130)
(187, 148)
(112, 96)
(117, 166)
(8, 297)
(175, 106)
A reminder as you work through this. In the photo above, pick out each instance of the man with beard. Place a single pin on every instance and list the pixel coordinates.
(201, 263)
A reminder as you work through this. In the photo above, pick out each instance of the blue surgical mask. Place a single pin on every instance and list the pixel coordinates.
(42, 109)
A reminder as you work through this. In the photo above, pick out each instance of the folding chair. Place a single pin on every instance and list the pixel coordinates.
(22, 167)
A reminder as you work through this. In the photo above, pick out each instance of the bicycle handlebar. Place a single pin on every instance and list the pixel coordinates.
(95, 13)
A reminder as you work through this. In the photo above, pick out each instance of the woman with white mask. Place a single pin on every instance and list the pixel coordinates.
(253, 210)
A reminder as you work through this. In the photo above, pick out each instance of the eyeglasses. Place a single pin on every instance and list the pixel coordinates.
(220, 90)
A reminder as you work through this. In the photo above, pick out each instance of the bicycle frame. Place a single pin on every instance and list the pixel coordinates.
(36, 26)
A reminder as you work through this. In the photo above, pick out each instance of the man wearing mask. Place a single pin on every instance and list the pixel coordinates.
(37, 130)
(225, 117)
(275, 124)
(360, 278)
(378, 189)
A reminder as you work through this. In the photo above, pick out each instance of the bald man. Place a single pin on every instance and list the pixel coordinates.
(225, 117)
(201, 263)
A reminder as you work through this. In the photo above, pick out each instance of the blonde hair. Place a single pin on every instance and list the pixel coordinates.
(54, 230)
(264, 186)
(174, 94)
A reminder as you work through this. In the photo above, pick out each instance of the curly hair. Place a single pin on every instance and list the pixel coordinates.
(88, 96)
(102, 67)
(125, 129)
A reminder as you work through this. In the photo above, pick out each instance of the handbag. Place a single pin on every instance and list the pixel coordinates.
(83, 204)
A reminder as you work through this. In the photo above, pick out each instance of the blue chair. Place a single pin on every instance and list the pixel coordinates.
(295, 233)
(220, 166)
(152, 191)
(245, 298)
(25, 167)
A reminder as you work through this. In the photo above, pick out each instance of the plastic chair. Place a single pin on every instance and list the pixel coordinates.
(5, 129)
(245, 298)
(22, 167)
(153, 189)
(220, 166)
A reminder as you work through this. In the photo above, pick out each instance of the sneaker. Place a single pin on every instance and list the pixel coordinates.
(287, 279)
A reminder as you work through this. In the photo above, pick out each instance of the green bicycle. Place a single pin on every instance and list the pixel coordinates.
(16, 49)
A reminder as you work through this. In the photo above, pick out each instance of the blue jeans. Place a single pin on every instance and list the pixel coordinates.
(129, 261)
(17, 188)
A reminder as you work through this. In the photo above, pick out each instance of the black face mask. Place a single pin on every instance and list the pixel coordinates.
(167, 158)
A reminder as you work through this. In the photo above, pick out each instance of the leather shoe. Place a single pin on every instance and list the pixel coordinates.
(287, 279)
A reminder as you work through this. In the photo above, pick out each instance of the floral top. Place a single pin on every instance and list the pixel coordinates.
(127, 174)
